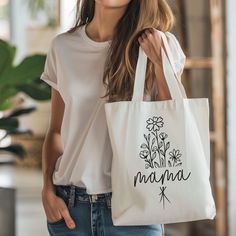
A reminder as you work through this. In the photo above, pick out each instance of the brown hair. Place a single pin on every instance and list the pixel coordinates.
(119, 71)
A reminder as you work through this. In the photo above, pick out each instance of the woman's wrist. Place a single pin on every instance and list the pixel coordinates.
(48, 186)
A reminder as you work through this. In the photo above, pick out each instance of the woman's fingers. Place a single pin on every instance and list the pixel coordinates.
(66, 215)
(54, 218)
(56, 209)
(150, 41)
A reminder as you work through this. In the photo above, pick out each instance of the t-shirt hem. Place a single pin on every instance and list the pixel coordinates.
(100, 191)
(89, 192)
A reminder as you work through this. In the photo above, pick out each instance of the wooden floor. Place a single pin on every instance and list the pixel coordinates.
(30, 217)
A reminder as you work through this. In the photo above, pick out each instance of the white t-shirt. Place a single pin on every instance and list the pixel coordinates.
(74, 66)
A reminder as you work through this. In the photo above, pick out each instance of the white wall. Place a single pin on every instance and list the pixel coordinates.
(68, 10)
(231, 112)
(18, 21)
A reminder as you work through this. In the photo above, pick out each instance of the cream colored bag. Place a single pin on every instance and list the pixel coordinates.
(161, 158)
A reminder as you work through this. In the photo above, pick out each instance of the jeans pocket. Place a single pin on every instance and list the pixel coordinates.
(55, 222)
(62, 191)
(63, 194)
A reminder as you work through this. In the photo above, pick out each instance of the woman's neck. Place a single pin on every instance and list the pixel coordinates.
(102, 26)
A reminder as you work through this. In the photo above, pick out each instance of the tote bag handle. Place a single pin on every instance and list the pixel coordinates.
(175, 86)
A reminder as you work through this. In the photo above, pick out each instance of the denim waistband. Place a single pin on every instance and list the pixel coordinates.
(74, 193)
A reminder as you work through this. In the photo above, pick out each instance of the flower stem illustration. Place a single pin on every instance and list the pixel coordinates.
(157, 145)
(163, 196)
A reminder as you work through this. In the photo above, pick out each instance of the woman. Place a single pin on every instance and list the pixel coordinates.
(92, 63)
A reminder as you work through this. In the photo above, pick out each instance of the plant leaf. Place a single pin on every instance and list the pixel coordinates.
(7, 92)
(9, 124)
(16, 149)
(22, 111)
(7, 52)
(6, 104)
(38, 91)
(29, 69)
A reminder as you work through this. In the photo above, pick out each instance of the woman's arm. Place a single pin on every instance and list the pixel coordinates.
(52, 146)
(162, 89)
(55, 207)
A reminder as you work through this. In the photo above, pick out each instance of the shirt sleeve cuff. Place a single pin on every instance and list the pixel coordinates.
(46, 79)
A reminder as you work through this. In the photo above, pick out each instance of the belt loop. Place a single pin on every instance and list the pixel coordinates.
(72, 196)
(108, 199)
(93, 197)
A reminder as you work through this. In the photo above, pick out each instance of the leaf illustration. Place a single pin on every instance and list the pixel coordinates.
(153, 141)
(148, 137)
(167, 145)
(169, 163)
(147, 166)
(154, 149)
(145, 136)
(160, 144)
(162, 153)
(156, 164)
(162, 162)
(143, 145)
(179, 164)
(154, 155)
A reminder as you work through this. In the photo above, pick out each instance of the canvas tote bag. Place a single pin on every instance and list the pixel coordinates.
(161, 159)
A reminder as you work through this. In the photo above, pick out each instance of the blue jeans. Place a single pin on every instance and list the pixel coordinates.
(92, 216)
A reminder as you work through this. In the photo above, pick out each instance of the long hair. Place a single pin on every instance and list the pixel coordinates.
(120, 65)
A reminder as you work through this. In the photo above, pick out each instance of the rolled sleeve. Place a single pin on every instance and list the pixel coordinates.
(49, 74)
(178, 54)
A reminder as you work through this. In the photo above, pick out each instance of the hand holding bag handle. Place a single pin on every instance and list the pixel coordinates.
(175, 86)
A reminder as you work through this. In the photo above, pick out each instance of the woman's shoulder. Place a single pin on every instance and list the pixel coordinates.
(174, 43)
(61, 39)
(56, 42)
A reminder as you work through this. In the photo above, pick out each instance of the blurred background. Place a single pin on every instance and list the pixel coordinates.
(207, 33)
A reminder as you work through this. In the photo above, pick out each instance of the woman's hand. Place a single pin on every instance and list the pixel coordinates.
(151, 42)
(55, 208)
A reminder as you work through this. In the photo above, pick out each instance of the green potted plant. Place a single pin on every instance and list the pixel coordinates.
(23, 77)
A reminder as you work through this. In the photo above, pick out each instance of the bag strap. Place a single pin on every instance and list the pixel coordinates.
(175, 86)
